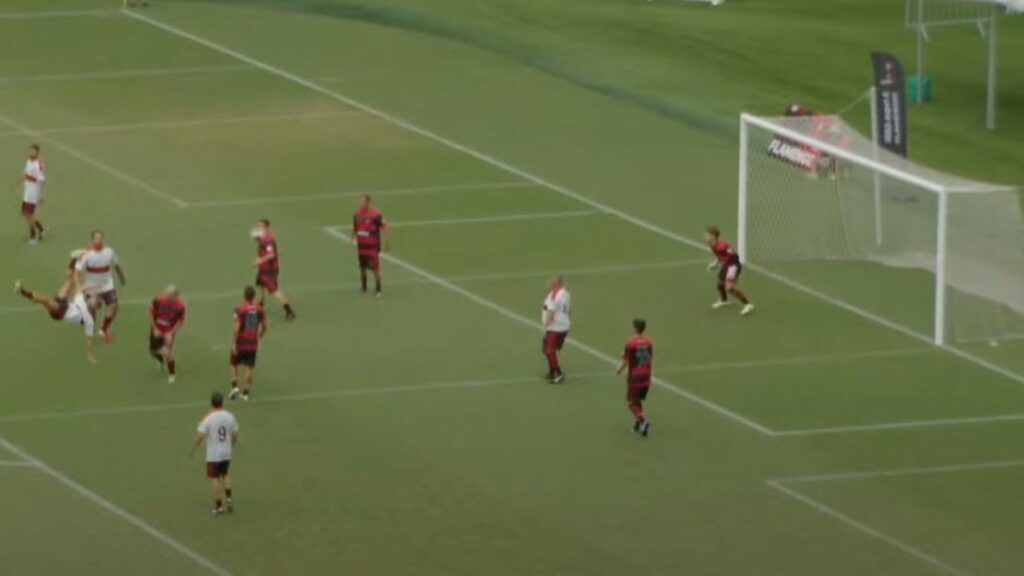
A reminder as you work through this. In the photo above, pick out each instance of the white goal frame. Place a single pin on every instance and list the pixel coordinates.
(942, 191)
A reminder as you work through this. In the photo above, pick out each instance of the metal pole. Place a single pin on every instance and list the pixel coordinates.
(920, 51)
(741, 219)
(940, 270)
(993, 70)
(872, 94)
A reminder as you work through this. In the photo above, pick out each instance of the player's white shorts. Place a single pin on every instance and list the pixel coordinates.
(78, 313)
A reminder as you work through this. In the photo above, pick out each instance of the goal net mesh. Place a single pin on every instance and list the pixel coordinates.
(828, 208)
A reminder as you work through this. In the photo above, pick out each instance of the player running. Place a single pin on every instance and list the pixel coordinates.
(71, 305)
(250, 327)
(639, 358)
(95, 270)
(166, 317)
(219, 430)
(268, 265)
(34, 193)
(370, 231)
(556, 323)
(729, 270)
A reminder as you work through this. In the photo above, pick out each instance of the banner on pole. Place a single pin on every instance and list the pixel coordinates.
(891, 102)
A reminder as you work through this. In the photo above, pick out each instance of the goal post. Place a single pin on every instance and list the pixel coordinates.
(936, 254)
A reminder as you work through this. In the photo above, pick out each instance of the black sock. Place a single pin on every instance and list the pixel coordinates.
(39, 226)
(234, 384)
(171, 367)
(722, 293)
(157, 356)
(227, 492)
(27, 294)
(218, 504)
(378, 286)
(288, 309)
(362, 280)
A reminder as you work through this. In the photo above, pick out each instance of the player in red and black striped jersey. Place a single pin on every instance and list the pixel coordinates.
(250, 326)
(268, 266)
(166, 317)
(729, 269)
(639, 359)
(370, 231)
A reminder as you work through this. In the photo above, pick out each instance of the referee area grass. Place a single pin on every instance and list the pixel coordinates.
(505, 142)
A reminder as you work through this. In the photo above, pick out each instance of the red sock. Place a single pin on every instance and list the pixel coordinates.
(171, 367)
(637, 409)
(722, 293)
(106, 323)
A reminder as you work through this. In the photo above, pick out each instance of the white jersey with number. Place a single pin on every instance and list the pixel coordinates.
(78, 313)
(557, 302)
(219, 427)
(35, 175)
(98, 267)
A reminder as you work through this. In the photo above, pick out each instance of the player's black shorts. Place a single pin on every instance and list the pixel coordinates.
(729, 272)
(369, 262)
(218, 469)
(244, 358)
(155, 342)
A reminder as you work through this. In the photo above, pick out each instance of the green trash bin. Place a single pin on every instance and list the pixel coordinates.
(919, 89)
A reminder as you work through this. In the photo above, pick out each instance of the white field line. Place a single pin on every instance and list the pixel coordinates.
(16, 464)
(864, 528)
(99, 165)
(904, 425)
(98, 13)
(120, 74)
(114, 509)
(490, 219)
(234, 293)
(898, 472)
(474, 297)
(801, 360)
(320, 89)
(186, 123)
(355, 193)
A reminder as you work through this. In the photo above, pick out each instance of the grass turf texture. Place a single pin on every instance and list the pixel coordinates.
(345, 465)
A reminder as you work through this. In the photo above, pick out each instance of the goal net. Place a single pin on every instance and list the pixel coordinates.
(939, 255)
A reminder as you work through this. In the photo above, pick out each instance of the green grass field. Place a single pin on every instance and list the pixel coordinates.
(506, 140)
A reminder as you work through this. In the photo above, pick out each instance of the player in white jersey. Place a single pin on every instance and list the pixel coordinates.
(71, 305)
(33, 179)
(219, 430)
(95, 268)
(556, 323)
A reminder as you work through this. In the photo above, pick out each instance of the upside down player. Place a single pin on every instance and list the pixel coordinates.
(166, 317)
(250, 326)
(729, 270)
(71, 305)
(268, 265)
(370, 231)
(639, 358)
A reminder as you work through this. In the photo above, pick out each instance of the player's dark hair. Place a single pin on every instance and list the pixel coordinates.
(714, 231)
(217, 400)
(35, 147)
(250, 293)
(265, 222)
(640, 325)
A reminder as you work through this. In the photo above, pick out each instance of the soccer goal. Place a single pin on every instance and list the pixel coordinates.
(935, 254)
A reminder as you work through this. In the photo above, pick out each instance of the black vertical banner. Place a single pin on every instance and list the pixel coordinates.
(890, 102)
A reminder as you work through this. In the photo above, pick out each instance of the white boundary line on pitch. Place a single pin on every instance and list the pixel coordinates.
(897, 472)
(448, 285)
(802, 360)
(98, 164)
(571, 272)
(186, 123)
(564, 191)
(17, 464)
(903, 425)
(507, 218)
(120, 74)
(355, 193)
(864, 528)
(100, 13)
(112, 508)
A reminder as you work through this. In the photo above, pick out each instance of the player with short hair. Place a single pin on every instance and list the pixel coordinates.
(34, 193)
(95, 270)
(219, 430)
(250, 326)
(639, 358)
(729, 269)
(556, 323)
(370, 232)
(268, 265)
(71, 305)
(166, 317)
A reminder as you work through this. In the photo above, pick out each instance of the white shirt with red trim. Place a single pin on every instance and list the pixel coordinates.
(98, 267)
(557, 302)
(35, 175)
